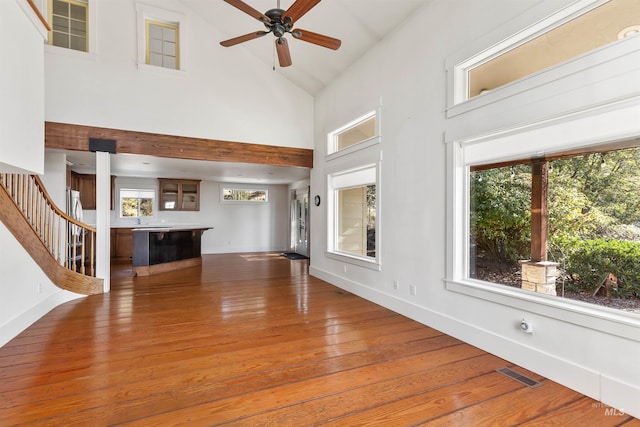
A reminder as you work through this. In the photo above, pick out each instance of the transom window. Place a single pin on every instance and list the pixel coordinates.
(582, 27)
(162, 44)
(244, 195)
(360, 130)
(69, 24)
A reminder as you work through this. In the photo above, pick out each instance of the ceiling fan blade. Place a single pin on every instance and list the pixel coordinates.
(246, 37)
(284, 55)
(315, 38)
(239, 4)
(299, 8)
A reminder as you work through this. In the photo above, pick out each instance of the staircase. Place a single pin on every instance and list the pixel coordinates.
(63, 247)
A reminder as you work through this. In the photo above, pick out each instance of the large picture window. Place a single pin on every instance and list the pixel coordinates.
(592, 233)
(588, 214)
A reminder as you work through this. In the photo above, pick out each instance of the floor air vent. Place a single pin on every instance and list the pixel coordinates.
(529, 382)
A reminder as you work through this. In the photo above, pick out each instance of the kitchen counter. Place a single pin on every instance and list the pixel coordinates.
(161, 249)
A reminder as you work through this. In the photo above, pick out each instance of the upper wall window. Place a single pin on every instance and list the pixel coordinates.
(582, 27)
(69, 24)
(162, 44)
(362, 129)
(160, 38)
(603, 25)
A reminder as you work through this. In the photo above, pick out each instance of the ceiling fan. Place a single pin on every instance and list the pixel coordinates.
(279, 22)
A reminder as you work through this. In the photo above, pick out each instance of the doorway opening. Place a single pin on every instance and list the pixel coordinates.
(299, 222)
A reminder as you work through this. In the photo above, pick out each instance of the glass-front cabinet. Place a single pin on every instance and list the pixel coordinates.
(179, 194)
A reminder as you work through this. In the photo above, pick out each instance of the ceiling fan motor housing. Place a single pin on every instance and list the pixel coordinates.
(277, 25)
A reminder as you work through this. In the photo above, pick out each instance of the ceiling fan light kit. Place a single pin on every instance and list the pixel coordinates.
(280, 22)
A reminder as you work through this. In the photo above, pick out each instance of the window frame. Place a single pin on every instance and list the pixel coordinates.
(88, 34)
(364, 175)
(518, 31)
(243, 188)
(333, 152)
(174, 26)
(572, 131)
(144, 13)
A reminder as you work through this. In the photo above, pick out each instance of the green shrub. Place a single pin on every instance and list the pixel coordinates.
(587, 262)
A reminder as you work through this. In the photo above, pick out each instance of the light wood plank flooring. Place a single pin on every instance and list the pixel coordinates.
(252, 339)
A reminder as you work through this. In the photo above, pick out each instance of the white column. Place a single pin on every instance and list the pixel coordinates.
(103, 218)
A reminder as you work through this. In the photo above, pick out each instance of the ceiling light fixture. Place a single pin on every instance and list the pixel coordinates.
(629, 31)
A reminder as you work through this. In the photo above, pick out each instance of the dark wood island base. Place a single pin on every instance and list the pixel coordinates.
(158, 250)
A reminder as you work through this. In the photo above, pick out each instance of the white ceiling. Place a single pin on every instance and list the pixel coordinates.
(360, 24)
(133, 165)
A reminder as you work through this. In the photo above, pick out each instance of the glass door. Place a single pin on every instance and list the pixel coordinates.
(300, 220)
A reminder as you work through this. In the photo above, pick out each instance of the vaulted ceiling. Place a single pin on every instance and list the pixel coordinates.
(359, 24)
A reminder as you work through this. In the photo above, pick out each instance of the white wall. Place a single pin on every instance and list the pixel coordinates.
(222, 94)
(21, 90)
(237, 227)
(55, 178)
(406, 75)
(26, 294)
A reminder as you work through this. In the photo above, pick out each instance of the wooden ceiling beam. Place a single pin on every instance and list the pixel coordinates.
(76, 137)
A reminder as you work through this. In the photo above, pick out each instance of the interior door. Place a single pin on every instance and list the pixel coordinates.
(300, 221)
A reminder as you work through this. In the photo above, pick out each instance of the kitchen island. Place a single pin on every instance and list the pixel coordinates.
(161, 249)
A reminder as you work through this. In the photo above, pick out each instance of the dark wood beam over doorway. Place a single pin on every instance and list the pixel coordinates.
(76, 137)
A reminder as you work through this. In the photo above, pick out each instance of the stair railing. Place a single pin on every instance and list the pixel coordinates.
(70, 242)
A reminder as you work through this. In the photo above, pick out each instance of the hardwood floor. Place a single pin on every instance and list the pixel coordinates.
(251, 339)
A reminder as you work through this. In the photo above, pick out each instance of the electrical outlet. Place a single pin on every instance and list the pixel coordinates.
(345, 268)
(526, 326)
(413, 290)
(39, 288)
(396, 285)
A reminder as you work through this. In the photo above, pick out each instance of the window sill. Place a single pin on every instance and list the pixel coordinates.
(160, 70)
(603, 319)
(70, 53)
(355, 260)
(354, 148)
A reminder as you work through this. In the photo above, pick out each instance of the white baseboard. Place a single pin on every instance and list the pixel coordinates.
(609, 391)
(15, 326)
